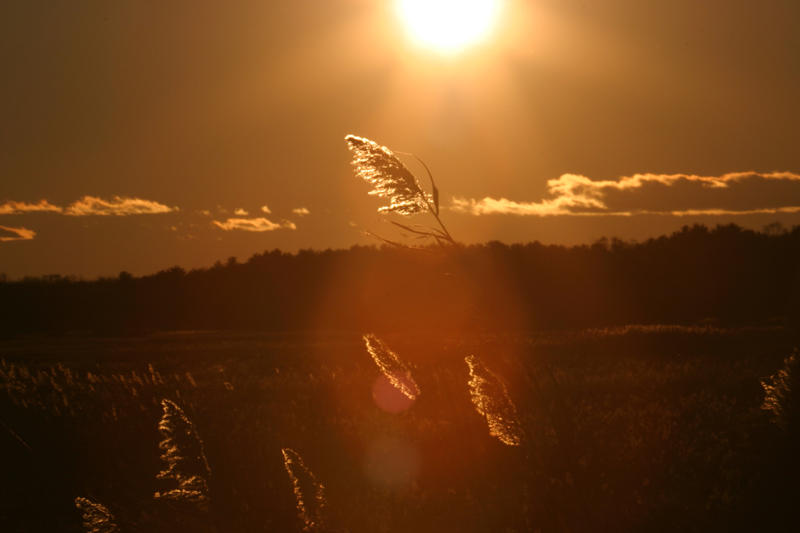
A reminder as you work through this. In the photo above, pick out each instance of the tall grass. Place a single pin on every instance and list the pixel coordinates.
(780, 393)
(492, 401)
(395, 369)
(96, 517)
(393, 181)
(183, 457)
(308, 492)
(655, 425)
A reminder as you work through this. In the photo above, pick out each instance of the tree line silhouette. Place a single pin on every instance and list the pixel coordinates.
(726, 275)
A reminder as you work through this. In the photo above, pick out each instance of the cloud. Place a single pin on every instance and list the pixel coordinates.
(90, 205)
(301, 211)
(253, 224)
(740, 193)
(8, 234)
(719, 212)
(240, 212)
(491, 206)
(117, 206)
(15, 208)
(265, 209)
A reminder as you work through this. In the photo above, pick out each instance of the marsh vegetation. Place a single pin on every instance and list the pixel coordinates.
(625, 429)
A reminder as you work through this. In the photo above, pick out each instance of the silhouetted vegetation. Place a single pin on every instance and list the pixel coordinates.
(656, 428)
(725, 275)
(501, 428)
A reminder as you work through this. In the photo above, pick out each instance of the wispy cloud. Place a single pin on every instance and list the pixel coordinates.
(739, 193)
(8, 234)
(117, 206)
(253, 224)
(90, 205)
(16, 208)
(719, 212)
(301, 211)
(265, 209)
(504, 206)
(241, 212)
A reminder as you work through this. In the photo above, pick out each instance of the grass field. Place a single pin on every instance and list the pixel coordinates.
(650, 428)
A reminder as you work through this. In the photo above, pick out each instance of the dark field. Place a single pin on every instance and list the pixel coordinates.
(654, 428)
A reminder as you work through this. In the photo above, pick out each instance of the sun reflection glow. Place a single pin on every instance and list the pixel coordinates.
(448, 26)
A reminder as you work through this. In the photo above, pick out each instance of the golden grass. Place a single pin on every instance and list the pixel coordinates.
(96, 517)
(183, 456)
(308, 492)
(492, 401)
(395, 369)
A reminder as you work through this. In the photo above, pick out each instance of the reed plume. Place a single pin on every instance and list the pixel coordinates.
(392, 180)
(780, 390)
(96, 517)
(492, 401)
(309, 493)
(389, 177)
(395, 369)
(183, 456)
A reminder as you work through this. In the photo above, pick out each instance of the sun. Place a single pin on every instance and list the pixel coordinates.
(448, 26)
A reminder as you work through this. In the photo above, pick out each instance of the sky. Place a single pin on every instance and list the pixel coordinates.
(137, 135)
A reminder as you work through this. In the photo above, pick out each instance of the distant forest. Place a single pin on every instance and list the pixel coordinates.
(724, 276)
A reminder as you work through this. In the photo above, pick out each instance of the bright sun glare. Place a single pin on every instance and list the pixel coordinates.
(448, 26)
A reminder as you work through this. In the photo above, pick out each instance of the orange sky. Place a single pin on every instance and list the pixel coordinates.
(133, 131)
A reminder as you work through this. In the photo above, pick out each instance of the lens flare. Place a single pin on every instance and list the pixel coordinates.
(448, 26)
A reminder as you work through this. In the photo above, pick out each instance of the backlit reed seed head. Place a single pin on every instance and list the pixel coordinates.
(308, 492)
(389, 177)
(183, 456)
(492, 401)
(779, 391)
(96, 517)
(395, 369)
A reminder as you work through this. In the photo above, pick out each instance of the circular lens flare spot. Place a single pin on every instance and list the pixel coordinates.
(392, 463)
(448, 26)
(388, 397)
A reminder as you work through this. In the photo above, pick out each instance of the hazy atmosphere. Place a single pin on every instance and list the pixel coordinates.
(390, 266)
(141, 135)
